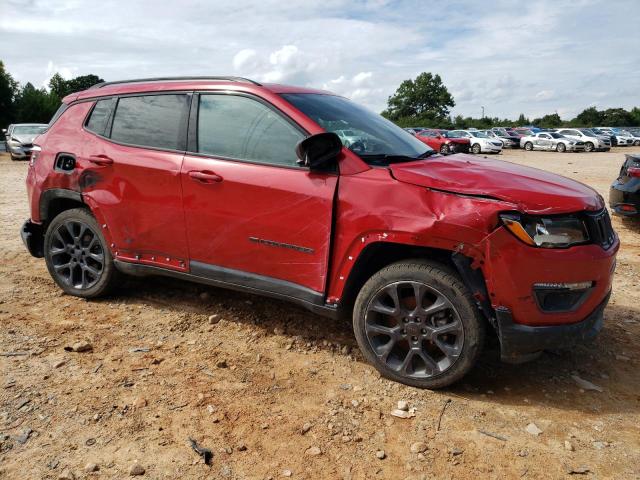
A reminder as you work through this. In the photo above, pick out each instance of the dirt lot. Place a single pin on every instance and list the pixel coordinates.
(277, 392)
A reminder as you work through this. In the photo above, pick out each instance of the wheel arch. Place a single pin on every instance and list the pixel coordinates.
(56, 200)
(377, 255)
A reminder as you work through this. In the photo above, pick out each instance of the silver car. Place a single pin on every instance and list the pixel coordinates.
(20, 139)
(551, 141)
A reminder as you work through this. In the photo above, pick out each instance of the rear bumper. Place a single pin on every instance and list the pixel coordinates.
(623, 198)
(33, 238)
(518, 342)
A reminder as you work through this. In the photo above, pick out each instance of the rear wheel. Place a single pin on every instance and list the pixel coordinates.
(561, 147)
(475, 148)
(417, 324)
(588, 147)
(528, 146)
(77, 255)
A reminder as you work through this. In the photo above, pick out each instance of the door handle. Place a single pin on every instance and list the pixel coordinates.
(205, 176)
(101, 160)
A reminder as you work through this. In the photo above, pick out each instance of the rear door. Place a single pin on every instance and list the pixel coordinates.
(132, 175)
(253, 216)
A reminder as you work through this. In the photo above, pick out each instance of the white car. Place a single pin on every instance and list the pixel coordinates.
(622, 139)
(591, 140)
(551, 141)
(480, 142)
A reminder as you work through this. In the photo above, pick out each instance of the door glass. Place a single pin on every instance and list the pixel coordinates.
(241, 128)
(151, 121)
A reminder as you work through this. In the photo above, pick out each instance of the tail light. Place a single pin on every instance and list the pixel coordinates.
(633, 171)
(35, 152)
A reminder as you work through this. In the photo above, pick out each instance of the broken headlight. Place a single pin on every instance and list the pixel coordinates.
(546, 232)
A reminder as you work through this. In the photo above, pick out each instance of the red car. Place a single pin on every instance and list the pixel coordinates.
(228, 182)
(437, 139)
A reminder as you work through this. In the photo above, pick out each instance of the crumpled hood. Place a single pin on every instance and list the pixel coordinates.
(26, 138)
(530, 189)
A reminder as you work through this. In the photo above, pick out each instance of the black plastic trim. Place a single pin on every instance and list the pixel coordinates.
(33, 238)
(241, 281)
(49, 195)
(517, 340)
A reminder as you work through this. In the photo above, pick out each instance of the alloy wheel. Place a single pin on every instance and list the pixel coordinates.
(414, 329)
(76, 254)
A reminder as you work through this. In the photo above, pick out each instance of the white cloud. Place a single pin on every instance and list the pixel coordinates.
(527, 59)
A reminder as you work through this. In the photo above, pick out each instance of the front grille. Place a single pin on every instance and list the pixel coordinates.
(600, 228)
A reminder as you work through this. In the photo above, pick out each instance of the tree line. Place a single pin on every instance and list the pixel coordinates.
(426, 101)
(28, 104)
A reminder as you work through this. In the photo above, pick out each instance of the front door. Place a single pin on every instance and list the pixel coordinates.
(252, 214)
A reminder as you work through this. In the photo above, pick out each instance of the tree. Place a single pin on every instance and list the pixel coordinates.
(424, 98)
(58, 86)
(616, 117)
(8, 92)
(590, 117)
(552, 120)
(35, 105)
(522, 120)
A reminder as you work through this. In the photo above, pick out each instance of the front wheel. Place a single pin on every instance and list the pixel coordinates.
(528, 146)
(444, 149)
(475, 148)
(417, 324)
(636, 143)
(561, 147)
(588, 147)
(77, 255)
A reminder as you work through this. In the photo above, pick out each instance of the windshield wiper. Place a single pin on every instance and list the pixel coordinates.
(385, 158)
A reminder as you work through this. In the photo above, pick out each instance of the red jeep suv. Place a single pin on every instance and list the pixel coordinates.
(231, 183)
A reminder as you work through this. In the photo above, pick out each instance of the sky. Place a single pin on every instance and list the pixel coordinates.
(508, 56)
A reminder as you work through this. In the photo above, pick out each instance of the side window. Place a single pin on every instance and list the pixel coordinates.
(99, 117)
(244, 129)
(157, 121)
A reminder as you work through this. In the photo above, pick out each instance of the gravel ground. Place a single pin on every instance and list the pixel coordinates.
(276, 392)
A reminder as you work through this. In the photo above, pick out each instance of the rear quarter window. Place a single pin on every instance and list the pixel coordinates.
(99, 117)
(157, 121)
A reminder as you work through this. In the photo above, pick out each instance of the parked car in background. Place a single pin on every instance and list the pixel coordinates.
(635, 134)
(480, 141)
(630, 138)
(20, 142)
(624, 195)
(523, 131)
(417, 249)
(608, 136)
(441, 143)
(508, 141)
(6, 133)
(620, 139)
(591, 140)
(551, 141)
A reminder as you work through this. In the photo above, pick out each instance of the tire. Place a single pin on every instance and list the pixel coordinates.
(444, 149)
(476, 148)
(561, 148)
(528, 146)
(588, 147)
(425, 364)
(77, 255)
(13, 159)
(636, 143)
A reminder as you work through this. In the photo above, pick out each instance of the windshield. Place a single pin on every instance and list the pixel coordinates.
(375, 136)
(28, 130)
(588, 133)
(479, 134)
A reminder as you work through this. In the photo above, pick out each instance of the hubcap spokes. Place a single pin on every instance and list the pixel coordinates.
(414, 329)
(77, 255)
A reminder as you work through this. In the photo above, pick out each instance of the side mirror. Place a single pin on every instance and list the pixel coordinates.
(319, 151)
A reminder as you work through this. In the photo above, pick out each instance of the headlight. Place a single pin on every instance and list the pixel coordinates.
(546, 232)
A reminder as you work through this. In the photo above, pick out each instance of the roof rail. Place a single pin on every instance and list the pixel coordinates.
(169, 79)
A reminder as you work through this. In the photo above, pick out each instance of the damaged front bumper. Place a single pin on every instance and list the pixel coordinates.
(521, 342)
(33, 238)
